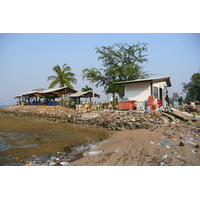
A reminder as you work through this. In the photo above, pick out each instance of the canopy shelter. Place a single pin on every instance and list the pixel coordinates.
(87, 94)
(54, 91)
(26, 97)
(49, 92)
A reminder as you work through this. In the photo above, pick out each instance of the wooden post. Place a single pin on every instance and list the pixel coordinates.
(46, 99)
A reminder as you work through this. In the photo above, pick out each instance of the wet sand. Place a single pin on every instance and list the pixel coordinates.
(29, 137)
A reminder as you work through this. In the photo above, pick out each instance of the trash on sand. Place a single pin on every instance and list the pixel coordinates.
(91, 153)
(175, 152)
(117, 150)
(52, 163)
(192, 151)
(64, 163)
(167, 146)
(196, 138)
(166, 141)
(84, 154)
(164, 157)
(190, 142)
(158, 144)
(152, 142)
(163, 144)
(175, 139)
(178, 157)
(162, 164)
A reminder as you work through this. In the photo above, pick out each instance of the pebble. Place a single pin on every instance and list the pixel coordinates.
(181, 144)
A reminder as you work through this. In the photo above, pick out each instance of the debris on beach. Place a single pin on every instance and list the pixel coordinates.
(162, 164)
(117, 150)
(164, 157)
(92, 153)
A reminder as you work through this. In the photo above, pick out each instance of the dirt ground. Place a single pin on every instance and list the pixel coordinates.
(143, 148)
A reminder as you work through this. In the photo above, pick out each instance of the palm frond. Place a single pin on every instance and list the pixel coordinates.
(51, 78)
(55, 82)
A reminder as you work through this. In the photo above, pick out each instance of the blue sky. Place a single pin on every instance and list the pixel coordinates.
(26, 60)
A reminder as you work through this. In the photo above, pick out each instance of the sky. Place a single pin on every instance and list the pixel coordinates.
(27, 59)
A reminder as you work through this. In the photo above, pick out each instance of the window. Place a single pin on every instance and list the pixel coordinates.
(155, 92)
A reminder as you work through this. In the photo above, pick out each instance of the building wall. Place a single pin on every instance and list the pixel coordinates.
(138, 91)
(141, 91)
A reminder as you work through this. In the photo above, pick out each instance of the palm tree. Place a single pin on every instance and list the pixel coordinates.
(64, 77)
(86, 89)
(91, 75)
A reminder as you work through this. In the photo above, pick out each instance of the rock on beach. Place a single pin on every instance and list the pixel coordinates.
(112, 120)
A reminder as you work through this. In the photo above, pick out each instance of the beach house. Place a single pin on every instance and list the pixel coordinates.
(145, 93)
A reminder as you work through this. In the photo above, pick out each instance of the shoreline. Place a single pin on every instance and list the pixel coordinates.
(25, 139)
(110, 120)
(157, 144)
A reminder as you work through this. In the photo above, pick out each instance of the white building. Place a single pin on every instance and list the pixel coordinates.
(141, 89)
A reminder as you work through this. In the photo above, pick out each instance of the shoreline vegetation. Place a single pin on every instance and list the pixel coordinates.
(104, 138)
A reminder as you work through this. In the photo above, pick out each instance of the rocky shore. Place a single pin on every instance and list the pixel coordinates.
(58, 136)
(111, 120)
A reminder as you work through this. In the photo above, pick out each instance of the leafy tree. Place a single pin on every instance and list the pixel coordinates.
(192, 88)
(64, 77)
(86, 89)
(91, 75)
(121, 62)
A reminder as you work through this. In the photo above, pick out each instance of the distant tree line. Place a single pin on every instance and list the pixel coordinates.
(192, 89)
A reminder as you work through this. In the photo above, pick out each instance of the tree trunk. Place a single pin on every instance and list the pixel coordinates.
(93, 93)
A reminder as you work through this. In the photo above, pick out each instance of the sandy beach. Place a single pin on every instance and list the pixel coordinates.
(144, 148)
(171, 144)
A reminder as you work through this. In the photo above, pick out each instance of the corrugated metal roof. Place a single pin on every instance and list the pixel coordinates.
(46, 91)
(28, 93)
(84, 94)
(55, 90)
(158, 79)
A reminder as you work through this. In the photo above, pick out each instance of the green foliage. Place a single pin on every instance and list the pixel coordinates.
(192, 88)
(91, 74)
(121, 62)
(86, 89)
(64, 77)
(180, 100)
